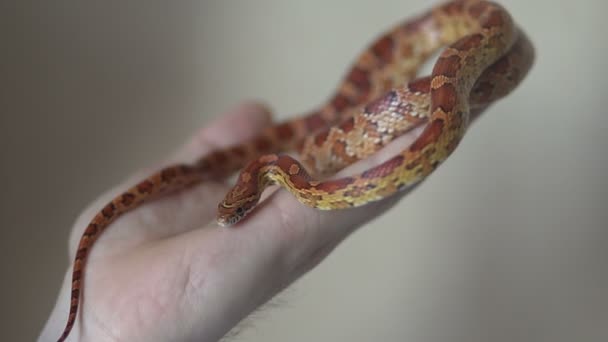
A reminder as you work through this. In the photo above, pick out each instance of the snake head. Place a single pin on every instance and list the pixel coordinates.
(235, 206)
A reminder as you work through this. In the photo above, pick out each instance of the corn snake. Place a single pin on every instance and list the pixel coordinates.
(487, 57)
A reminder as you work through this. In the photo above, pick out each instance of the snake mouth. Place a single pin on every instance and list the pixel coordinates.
(225, 221)
(228, 215)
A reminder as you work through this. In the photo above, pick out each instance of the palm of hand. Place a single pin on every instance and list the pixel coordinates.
(155, 275)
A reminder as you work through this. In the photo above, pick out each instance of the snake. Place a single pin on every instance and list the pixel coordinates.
(485, 56)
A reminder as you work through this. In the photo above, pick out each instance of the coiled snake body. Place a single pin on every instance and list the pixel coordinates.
(486, 57)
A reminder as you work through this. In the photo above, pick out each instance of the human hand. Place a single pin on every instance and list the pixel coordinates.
(166, 272)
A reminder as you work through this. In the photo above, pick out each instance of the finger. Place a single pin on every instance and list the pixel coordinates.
(187, 209)
(309, 234)
(306, 234)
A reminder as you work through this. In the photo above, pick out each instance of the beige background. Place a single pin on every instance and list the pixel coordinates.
(507, 241)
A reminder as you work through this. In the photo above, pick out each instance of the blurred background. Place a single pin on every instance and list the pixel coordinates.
(507, 241)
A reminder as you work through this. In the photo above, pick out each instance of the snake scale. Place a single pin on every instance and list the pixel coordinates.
(485, 57)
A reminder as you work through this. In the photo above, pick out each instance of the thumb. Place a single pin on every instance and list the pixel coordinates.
(238, 124)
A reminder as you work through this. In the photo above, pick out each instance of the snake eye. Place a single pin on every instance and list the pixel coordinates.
(239, 210)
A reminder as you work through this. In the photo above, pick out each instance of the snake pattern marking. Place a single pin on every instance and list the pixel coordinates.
(485, 57)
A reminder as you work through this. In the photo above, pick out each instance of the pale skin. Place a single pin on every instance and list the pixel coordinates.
(167, 272)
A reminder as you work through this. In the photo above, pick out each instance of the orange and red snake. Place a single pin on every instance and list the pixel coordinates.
(485, 57)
